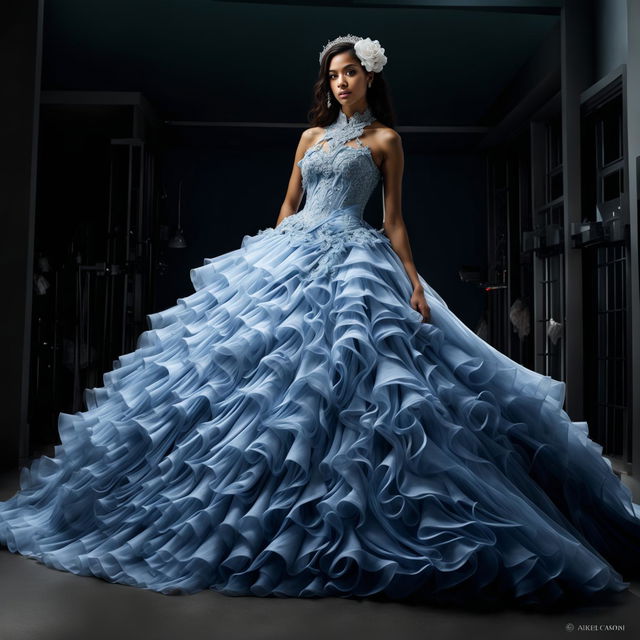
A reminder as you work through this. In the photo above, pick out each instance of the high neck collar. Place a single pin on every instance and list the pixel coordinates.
(357, 118)
(343, 129)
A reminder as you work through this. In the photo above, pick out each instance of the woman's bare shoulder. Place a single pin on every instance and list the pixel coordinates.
(384, 141)
(311, 134)
(312, 131)
(385, 132)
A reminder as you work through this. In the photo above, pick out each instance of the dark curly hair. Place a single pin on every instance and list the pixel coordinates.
(378, 97)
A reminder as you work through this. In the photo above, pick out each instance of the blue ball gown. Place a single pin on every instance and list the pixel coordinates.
(293, 428)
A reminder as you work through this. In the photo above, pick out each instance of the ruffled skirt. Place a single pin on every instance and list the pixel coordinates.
(275, 434)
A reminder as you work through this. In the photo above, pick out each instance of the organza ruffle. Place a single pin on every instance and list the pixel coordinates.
(274, 437)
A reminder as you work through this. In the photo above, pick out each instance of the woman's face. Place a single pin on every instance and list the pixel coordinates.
(348, 80)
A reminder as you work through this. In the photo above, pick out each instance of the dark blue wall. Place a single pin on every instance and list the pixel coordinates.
(444, 207)
(225, 195)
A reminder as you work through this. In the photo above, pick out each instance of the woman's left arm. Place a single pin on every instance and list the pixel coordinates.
(394, 227)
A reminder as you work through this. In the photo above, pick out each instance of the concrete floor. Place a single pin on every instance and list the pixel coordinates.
(40, 603)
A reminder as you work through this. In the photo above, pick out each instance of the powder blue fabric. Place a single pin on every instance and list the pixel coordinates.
(293, 428)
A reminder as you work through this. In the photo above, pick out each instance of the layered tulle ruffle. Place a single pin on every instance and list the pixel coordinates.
(270, 436)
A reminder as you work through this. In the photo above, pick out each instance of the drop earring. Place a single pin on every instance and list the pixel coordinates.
(328, 99)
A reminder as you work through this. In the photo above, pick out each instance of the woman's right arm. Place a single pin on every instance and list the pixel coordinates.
(294, 193)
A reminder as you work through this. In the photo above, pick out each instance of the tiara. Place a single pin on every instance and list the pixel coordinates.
(369, 52)
(348, 38)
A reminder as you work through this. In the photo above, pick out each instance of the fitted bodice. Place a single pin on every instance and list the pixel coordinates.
(340, 177)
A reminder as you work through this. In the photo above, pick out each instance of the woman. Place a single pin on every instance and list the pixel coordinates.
(351, 87)
(307, 423)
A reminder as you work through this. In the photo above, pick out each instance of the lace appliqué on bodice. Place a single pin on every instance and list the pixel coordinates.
(333, 239)
(338, 179)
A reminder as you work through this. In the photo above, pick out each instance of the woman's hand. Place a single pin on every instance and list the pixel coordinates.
(419, 303)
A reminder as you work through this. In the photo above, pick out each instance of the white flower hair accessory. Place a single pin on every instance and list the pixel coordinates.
(369, 52)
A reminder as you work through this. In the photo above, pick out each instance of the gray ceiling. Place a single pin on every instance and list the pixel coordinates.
(256, 61)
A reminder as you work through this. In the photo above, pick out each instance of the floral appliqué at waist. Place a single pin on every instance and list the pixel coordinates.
(333, 233)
